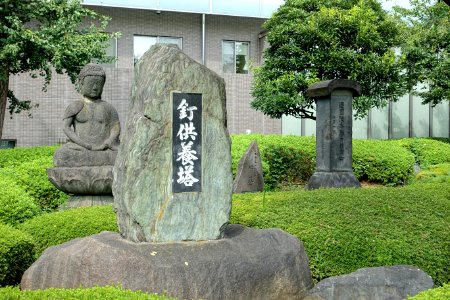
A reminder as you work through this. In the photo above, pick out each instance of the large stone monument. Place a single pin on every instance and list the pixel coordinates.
(172, 193)
(334, 133)
(83, 166)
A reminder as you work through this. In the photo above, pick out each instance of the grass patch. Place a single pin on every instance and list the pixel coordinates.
(95, 293)
(347, 229)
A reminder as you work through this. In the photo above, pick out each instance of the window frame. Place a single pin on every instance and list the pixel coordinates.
(235, 56)
(158, 37)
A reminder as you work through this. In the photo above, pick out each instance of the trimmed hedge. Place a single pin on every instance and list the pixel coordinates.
(427, 152)
(16, 255)
(440, 293)
(96, 293)
(32, 177)
(290, 160)
(382, 162)
(58, 227)
(435, 173)
(17, 156)
(347, 229)
(16, 205)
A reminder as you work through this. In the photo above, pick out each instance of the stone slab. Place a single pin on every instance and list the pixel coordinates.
(96, 180)
(147, 208)
(246, 264)
(249, 175)
(378, 283)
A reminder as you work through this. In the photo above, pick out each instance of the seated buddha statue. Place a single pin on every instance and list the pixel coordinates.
(91, 124)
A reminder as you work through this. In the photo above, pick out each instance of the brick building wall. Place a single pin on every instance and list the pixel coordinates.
(45, 126)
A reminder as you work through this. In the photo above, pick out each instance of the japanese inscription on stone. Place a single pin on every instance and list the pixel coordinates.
(186, 142)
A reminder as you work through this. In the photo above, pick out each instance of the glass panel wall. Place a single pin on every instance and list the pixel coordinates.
(359, 128)
(291, 125)
(441, 123)
(400, 118)
(379, 121)
(420, 118)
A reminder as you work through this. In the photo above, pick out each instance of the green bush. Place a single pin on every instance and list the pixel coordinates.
(440, 293)
(96, 293)
(441, 139)
(347, 229)
(435, 173)
(17, 156)
(427, 152)
(286, 158)
(16, 254)
(32, 176)
(58, 227)
(287, 166)
(16, 205)
(382, 162)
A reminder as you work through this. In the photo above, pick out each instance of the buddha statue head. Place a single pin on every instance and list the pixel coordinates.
(92, 79)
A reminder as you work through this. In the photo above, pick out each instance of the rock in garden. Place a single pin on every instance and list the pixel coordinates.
(378, 283)
(249, 175)
(172, 177)
(246, 264)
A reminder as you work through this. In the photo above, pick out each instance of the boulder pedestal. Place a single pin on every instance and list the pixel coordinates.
(246, 264)
(333, 180)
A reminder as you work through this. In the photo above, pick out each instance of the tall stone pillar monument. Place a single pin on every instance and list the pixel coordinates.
(334, 133)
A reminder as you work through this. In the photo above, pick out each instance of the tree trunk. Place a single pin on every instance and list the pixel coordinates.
(4, 81)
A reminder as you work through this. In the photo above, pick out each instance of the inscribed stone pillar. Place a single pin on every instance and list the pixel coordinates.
(172, 177)
(334, 133)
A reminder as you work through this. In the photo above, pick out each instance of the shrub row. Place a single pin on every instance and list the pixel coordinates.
(58, 227)
(427, 152)
(439, 293)
(96, 293)
(347, 229)
(17, 156)
(16, 255)
(16, 205)
(291, 159)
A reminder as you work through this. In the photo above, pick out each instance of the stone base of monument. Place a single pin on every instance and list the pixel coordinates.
(96, 180)
(246, 264)
(87, 200)
(333, 180)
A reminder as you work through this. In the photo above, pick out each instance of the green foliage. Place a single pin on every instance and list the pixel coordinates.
(440, 293)
(427, 152)
(16, 205)
(441, 139)
(290, 160)
(382, 162)
(16, 255)
(32, 177)
(95, 293)
(17, 156)
(315, 40)
(27, 167)
(58, 227)
(347, 229)
(286, 160)
(436, 173)
(426, 53)
(41, 36)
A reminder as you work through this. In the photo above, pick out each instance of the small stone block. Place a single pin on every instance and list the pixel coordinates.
(249, 176)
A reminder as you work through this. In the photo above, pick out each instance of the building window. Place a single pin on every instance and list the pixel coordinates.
(111, 52)
(141, 43)
(235, 57)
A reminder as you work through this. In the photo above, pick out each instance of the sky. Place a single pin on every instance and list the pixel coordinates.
(388, 4)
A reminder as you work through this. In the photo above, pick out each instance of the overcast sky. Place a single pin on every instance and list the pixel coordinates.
(388, 4)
